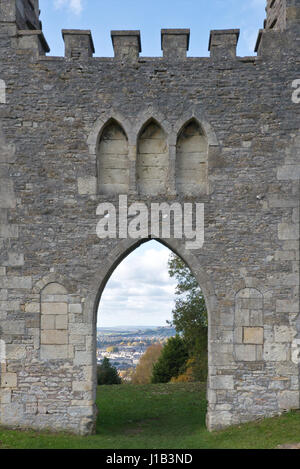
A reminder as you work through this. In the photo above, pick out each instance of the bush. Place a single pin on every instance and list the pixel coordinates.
(171, 361)
(107, 374)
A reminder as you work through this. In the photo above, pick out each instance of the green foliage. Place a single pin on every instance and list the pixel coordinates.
(171, 361)
(190, 315)
(107, 374)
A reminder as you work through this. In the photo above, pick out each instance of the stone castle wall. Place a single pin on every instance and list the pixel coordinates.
(79, 130)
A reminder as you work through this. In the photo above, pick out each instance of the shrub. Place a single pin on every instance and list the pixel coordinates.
(107, 374)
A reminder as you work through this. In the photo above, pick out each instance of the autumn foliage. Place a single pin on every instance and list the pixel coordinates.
(143, 370)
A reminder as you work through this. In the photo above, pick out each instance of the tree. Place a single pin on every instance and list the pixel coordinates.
(171, 361)
(107, 374)
(190, 315)
(143, 370)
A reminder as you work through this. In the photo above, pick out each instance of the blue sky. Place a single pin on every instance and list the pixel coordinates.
(150, 17)
(140, 291)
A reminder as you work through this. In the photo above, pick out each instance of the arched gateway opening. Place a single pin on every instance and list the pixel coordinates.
(127, 247)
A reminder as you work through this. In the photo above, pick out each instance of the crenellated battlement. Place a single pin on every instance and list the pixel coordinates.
(20, 19)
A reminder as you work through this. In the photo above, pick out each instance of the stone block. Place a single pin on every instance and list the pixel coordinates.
(238, 335)
(61, 322)
(48, 321)
(222, 382)
(289, 400)
(284, 334)
(9, 305)
(256, 317)
(54, 308)
(80, 411)
(83, 358)
(5, 396)
(245, 353)
(289, 172)
(296, 215)
(288, 231)
(32, 308)
(55, 298)
(242, 317)
(16, 283)
(217, 420)
(13, 327)
(77, 339)
(2, 92)
(9, 380)
(87, 185)
(14, 260)
(285, 255)
(250, 303)
(287, 306)
(253, 335)
(7, 194)
(81, 329)
(276, 352)
(280, 202)
(9, 231)
(75, 308)
(54, 352)
(82, 386)
(54, 337)
(15, 352)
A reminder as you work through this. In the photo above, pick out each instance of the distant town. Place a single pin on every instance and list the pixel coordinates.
(125, 345)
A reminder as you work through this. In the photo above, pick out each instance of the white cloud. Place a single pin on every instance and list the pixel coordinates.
(140, 291)
(74, 5)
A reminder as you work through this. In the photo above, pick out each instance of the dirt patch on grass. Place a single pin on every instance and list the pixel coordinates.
(289, 446)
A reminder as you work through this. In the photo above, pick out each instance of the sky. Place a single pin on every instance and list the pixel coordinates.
(150, 17)
(140, 291)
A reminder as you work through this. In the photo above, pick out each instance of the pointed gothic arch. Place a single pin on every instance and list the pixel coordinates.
(152, 159)
(191, 159)
(112, 159)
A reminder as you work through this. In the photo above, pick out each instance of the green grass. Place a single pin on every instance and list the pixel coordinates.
(159, 416)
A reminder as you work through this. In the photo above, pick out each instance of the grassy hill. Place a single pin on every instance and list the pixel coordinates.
(159, 416)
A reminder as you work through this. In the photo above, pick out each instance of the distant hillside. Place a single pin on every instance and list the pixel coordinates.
(133, 331)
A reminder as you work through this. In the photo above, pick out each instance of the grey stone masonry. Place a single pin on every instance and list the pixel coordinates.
(81, 130)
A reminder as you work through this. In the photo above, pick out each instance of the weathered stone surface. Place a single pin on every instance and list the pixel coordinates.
(284, 334)
(54, 308)
(222, 382)
(2, 92)
(288, 231)
(75, 308)
(245, 353)
(289, 400)
(61, 322)
(54, 352)
(87, 186)
(9, 380)
(54, 337)
(32, 307)
(276, 352)
(77, 131)
(15, 352)
(253, 335)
